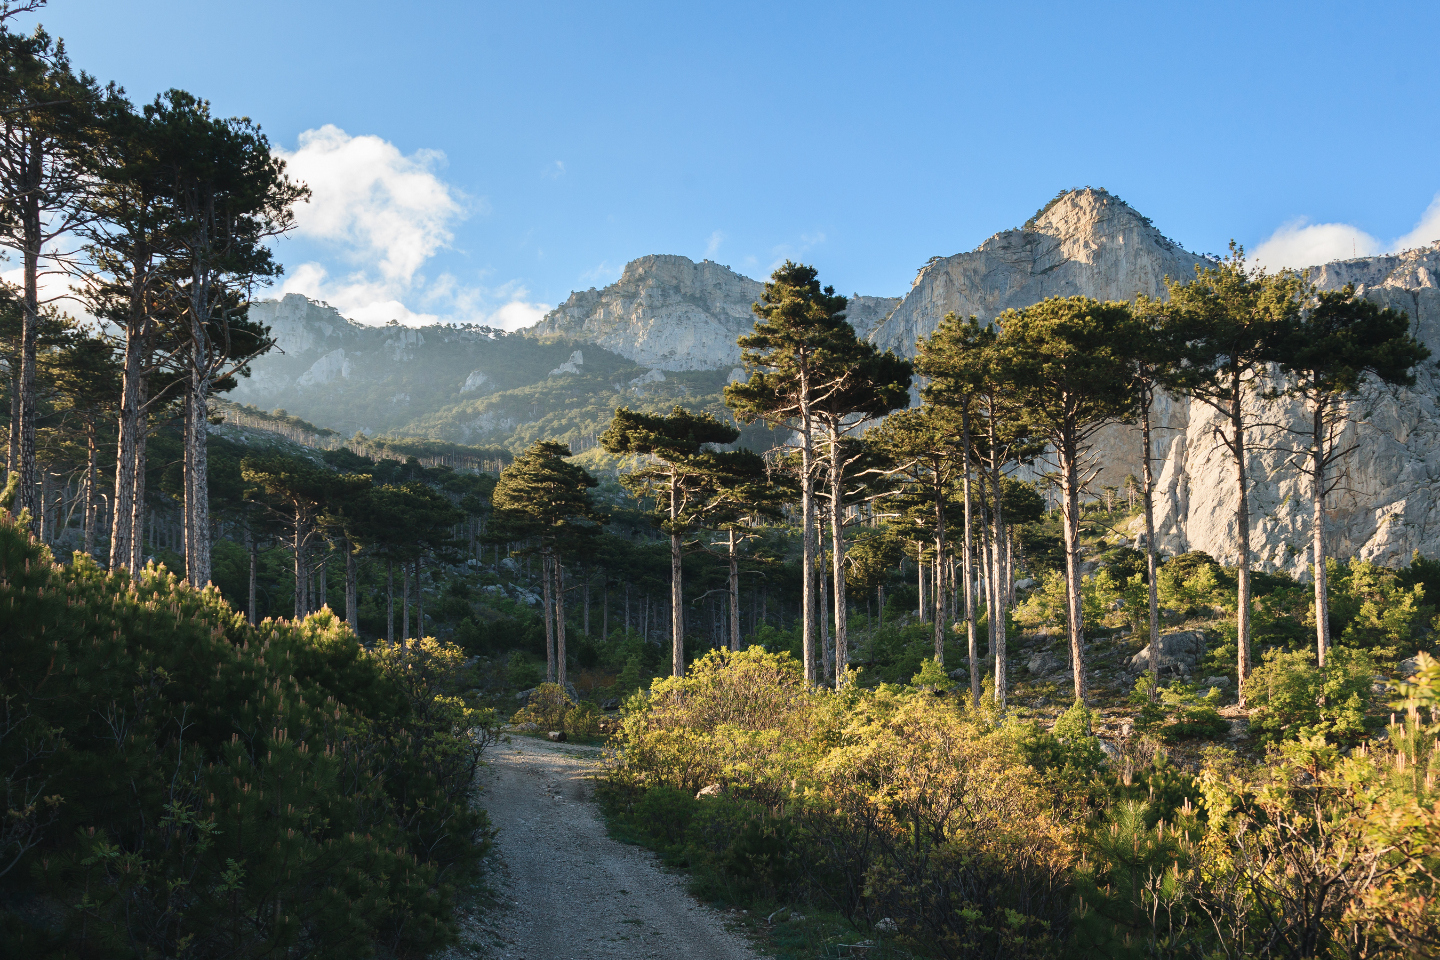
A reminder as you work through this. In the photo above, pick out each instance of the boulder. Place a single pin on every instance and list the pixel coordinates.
(886, 925)
(1045, 663)
(611, 704)
(1180, 654)
(1025, 583)
(1218, 682)
(1408, 667)
(557, 736)
(713, 790)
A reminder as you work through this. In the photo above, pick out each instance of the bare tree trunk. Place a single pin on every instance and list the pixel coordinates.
(545, 599)
(807, 509)
(923, 604)
(735, 594)
(352, 588)
(92, 470)
(29, 335)
(136, 517)
(585, 622)
(998, 517)
(823, 616)
(197, 503)
(419, 603)
(1242, 524)
(559, 620)
(969, 561)
(299, 568)
(677, 601)
(605, 608)
(939, 587)
(837, 547)
(1070, 491)
(405, 602)
(12, 432)
(254, 576)
(1317, 522)
(389, 600)
(1148, 495)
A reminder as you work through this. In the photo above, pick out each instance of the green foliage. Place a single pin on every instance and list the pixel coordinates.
(1178, 712)
(1293, 699)
(932, 676)
(217, 785)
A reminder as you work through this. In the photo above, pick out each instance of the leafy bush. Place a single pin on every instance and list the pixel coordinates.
(207, 788)
(1294, 699)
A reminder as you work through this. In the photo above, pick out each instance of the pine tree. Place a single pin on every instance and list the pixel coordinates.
(1338, 342)
(545, 498)
(1070, 375)
(677, 477)
(795, 357)
(1234, 319)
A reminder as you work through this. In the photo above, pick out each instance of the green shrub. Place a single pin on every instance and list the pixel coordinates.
(217, 788)
(1292, 698)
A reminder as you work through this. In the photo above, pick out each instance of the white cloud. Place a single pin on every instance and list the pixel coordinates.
(555, 171)
(601, 274)
(1300, 244)
(384, 215)
(716, 238)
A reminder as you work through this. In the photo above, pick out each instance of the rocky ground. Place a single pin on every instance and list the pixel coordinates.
(563, 889)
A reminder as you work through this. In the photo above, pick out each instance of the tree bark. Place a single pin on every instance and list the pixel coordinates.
(254, 576)
(352, 588)
(1317, 498)
(998, 516)
(807, 509)
(1242, 524)
(92, 470)
(405, 603)
(837, 546)
(31, 231)
(677, 602)
(545, 599)
(136, 517)
(559, 620)
(969, 561)
(734, 593)
(389, 600)
(419, 603)
(197, 499)
(299, 566)
(1148, 497)
(939, 587)
(1070, 503)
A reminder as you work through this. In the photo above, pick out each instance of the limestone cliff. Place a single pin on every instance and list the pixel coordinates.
(1084, 243)
(670, 313)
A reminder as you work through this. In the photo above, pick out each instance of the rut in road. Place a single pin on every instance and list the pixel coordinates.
(571, 892)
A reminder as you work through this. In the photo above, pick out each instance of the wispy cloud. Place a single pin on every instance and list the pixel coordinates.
(555, 171)
(1302, 244)
(794, 251)
(601, 274)
(383, 215)
(713, 246)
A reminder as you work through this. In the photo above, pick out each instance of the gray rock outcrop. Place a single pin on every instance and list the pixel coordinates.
(1180, 654)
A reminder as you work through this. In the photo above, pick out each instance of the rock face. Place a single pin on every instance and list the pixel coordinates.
(1089, 243)
(670, 313)
(665, 312)
(1084, 243)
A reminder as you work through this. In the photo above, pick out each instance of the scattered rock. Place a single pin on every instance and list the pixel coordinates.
(886, 925)
(713, 790)
(557, 736)
(1409, 666)
(1126, 729)
(1043, 663)
(1111, 751)
(959, 673)
(611, 704)
(1180, 653)
(1220, 682)
(1239, 729)
(523, 697)
(1024, 583)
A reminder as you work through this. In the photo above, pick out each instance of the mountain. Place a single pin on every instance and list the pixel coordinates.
(1082, 243)
(664, 334)
(670, 313)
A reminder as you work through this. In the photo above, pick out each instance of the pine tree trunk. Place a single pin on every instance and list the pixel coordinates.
(404, 603)
(254, 576)
(12, 431)
(29, 333)
(807, 509)
(419, 603)
(546, 601)
(352, 588)
(136, 518)
(998, 619)
(677, 608)
(92, 471)
(939, 588)
(823, 617)
(1070, 493)
(197, 504)
(299, 565)
(585, 622)
(968, 550)
(1148, 496)
(605, 608)
(560, 621)
(1242, 524)
(125, 444)
(389, 600)
(837, 548)
(923, 604)
(734, 594)
(1317, 504)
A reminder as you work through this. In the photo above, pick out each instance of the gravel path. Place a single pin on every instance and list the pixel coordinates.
(572, 893)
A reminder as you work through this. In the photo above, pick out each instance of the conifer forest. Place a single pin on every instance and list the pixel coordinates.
(869, 655)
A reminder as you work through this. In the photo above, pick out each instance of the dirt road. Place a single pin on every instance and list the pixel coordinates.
(572, 893)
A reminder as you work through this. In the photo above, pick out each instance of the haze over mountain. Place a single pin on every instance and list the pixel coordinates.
(665, 333)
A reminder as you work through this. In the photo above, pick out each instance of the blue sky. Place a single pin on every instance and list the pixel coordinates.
(478, 161)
